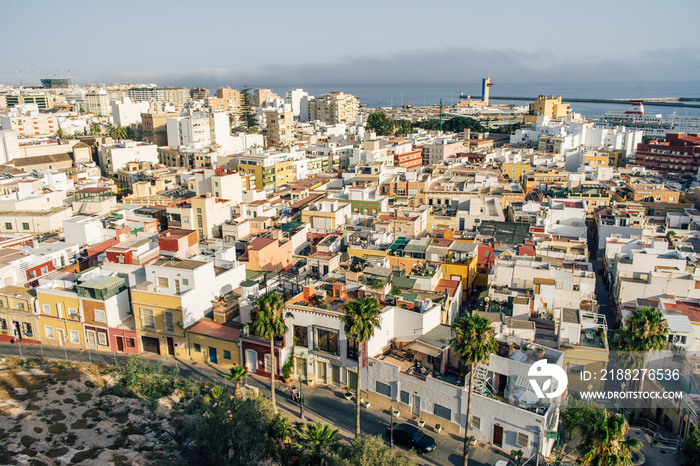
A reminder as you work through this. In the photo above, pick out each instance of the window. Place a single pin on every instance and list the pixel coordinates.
(227, 354)
(130, 343)
(353, 348)
(44, 269)
(168, 321)
(476, 423)
(383, 389)
(74, 337)
(441, 411)
(301, 336)
(147, 319)
(163, 282)
(2, 303)
(522, 440)
(100, 315)
(27, 330)
(101, 338)
(59, 310)
(327, 340)
(46, 309)
(21, 305)
(25, 226)
(48, 330)
(197, 348)
(405, 397)
(268, 362)
(185, 282)
(8, 226)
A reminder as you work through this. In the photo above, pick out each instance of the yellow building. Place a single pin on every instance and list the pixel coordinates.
(156, 316)
(59, 314)
(18, 320)
(546, 106)
(515, 170)
(466, 270)
(532, 181)
(597, 159)
(215, 343)
(269, 169)
(645, 192)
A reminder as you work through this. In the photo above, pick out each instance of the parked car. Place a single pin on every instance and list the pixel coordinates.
(412, 437)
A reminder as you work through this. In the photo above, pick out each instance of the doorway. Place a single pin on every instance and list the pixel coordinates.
(212, 355)
(251, 360)
(61, 337)
(336, 375)
(352, 379)
(120, 344)
(416, 405)
(92, 339)
(321, 372)
(150, 345)
(498, 436)
(171, 346)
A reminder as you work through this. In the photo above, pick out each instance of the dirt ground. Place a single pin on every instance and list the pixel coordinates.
(56, 413)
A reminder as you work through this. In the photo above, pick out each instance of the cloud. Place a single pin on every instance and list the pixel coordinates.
(444, 65)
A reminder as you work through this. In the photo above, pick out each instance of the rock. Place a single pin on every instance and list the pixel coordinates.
(105, 457)
(21, 391)
(106, 427)
(136, 440)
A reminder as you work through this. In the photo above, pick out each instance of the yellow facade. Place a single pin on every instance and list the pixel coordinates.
(600, 160)
(284, 172)
(255, 170)
(59, 319)
(203, 353)
(169, 341)
(17, 316)
(466, 271)
(515, 170)
(546, 106)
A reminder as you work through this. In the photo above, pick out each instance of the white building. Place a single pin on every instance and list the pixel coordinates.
(200, 129)
(222, 183)
(9, 145)
(97, 103)
(125, 112)
(294, 98)
(113, 157)
(26, 120)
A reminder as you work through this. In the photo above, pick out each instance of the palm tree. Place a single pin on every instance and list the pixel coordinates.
(268, 322)
(360, 319)
(474, 342)
(60, 134)
(645, 330)
(604, 442)
(95, 129)
(236, 374)
(316, 442)
(117, 132)
(279, 437)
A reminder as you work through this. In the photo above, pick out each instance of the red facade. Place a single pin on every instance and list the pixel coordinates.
(677, 153)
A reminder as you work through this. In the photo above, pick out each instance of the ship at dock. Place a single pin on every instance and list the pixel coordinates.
(653, 125)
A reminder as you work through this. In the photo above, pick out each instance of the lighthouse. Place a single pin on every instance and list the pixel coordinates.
(485, 85)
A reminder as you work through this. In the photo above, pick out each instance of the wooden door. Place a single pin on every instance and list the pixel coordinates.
(120, 344)
(171, 346)
(498, 436)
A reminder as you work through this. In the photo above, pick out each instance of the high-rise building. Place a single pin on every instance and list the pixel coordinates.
(97, 103)
(294, 98)
(334, 108)
(546, 106)
(229, 94)
(28, 122)
(677, 153)
(280, 128)
(261, 95)
(125, 112)
(177, 95)
(199, 93)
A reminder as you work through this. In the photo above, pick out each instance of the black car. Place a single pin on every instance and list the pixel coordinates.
(412, 437)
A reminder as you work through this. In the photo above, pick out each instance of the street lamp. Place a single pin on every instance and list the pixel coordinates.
(391, 421)
(301, 396)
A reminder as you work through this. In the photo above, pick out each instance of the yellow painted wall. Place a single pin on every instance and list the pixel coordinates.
(60, 323)
(466, 271)
(159, 303)
(206, 342)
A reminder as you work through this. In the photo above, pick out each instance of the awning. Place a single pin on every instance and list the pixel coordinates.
(419, 347)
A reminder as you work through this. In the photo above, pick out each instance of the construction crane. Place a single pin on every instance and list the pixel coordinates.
(406, 104)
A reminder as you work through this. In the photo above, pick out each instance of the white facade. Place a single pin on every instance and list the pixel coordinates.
(294, 98)
(97, 103)
(9, 145)
(220, 184)
(125, 112)
(115, 156)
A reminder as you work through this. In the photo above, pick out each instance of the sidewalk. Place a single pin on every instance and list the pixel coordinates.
(321, 403)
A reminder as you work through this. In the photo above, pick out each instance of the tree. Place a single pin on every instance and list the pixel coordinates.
(117, 132)
(249, 119)
(316, 442)
(279, 439)
(370, 450)
(604, 442)
(474, 342)
(95, 129)
(379, 123)
(575, 415)
(268, 323)
(236, 374)
(691, 446)
(60, 134)
(645, 330)
(361, 319)
(230, 430)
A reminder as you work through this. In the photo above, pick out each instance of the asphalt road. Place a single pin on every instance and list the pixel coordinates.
(322, 403)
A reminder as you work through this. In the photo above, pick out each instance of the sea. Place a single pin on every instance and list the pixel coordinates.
(385, 95)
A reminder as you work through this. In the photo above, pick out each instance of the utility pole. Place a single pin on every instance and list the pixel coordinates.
(301, 397)
(391, 417)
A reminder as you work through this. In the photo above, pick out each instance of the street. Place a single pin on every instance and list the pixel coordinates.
(321, 403)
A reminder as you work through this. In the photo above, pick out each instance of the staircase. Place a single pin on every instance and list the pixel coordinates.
(481, 381)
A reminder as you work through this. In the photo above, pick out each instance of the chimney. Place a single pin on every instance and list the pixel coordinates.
(340, 291)
(309, 292)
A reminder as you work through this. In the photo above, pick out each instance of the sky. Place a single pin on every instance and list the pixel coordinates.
(284, 43)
